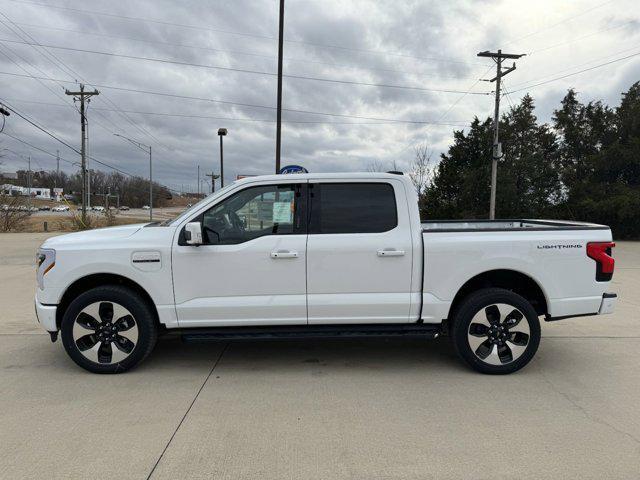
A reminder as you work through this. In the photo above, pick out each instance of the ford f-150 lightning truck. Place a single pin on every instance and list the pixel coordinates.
(320, 255)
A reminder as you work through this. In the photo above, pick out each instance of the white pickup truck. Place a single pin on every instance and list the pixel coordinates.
(320, 255)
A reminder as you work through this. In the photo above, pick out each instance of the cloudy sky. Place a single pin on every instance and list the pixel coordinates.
(365, 81)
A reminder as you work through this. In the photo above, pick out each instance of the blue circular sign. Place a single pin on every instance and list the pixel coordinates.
(292, 169)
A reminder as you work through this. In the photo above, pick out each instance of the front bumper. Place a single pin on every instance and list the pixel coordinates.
(46, 315)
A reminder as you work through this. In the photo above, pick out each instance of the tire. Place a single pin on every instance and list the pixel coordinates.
(109, 329)
(495, 331)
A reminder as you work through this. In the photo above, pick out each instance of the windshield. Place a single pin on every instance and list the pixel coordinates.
(196, 206)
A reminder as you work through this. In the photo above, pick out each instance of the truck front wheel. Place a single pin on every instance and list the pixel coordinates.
(495, 331)
(108, 329)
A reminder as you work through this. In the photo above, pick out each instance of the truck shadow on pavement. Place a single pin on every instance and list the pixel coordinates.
(319, 356)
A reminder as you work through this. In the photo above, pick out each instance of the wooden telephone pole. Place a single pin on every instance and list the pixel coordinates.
(497, 149)
(83, 97)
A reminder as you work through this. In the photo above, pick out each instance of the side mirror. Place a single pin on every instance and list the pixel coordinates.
(193, 233)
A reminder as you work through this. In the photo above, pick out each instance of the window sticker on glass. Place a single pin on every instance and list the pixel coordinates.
(282, 212)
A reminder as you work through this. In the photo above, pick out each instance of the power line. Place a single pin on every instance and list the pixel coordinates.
(56, 138)
(46, 77)
(448, 110)
(244, 34)
(506, 94)
(58, 63)
(564, 20)
(38, 79)
(30, 145)
(227, 102)
(235, 52)
(576, 73)
(242, 70)
(453, 123)
(582, 37)
(39, 127)
(573, 67)
(41, 149)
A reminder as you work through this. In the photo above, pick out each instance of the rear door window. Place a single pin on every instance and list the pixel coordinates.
(352, 208)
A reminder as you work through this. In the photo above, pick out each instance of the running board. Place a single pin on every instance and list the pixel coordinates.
(299, 332)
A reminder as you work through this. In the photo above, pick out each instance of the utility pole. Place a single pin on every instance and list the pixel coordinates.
(29, 182)
(279, 107)
(57, 168)
(83, 97)
(213, 177)
(198, 181)
(497, 148)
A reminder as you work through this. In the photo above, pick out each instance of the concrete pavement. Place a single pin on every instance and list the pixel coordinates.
(321, 409)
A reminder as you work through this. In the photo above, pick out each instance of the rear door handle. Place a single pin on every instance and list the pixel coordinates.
(284, 254)
(390, 252)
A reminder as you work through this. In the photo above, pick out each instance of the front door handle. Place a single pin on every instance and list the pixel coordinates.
(284, 254)
(390, 252)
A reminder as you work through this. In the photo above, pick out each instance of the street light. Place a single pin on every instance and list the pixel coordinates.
(144, 147)
(221, 133)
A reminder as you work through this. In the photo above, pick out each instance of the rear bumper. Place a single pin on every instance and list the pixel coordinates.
(46, 316)
(607, 305)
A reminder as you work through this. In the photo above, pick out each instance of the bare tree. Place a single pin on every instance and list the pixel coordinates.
(375, 166)
(13, 212)
(378, 166)
(421, 172)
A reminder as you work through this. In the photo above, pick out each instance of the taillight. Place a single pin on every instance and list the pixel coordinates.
(601, 253)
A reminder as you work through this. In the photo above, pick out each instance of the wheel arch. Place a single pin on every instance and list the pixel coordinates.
(94, 280)
(512, 280)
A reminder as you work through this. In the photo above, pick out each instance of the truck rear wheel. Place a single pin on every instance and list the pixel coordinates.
(495, 331)
(108, 329)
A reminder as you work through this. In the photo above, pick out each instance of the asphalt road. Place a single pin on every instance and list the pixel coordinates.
(324, 409)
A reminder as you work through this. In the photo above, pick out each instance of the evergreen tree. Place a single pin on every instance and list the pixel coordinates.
(586, 167)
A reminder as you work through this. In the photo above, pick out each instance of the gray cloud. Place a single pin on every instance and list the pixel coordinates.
(428, 44)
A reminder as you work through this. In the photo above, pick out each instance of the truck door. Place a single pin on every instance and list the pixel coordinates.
(359, 252)
(251, 269)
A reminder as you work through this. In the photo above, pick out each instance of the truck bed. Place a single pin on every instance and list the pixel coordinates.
(506, 225)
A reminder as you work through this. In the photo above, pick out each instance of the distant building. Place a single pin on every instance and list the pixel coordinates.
(8, 189)
(39, 192)
(15, 190)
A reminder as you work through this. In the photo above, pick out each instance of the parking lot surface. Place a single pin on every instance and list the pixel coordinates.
(356, 409)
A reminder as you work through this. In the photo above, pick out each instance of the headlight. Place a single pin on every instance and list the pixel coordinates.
(45, 261)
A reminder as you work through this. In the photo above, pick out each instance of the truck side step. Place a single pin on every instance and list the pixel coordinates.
(298, 332)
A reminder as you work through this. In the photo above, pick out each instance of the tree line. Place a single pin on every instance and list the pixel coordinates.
(584, 165)
(133, 191)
